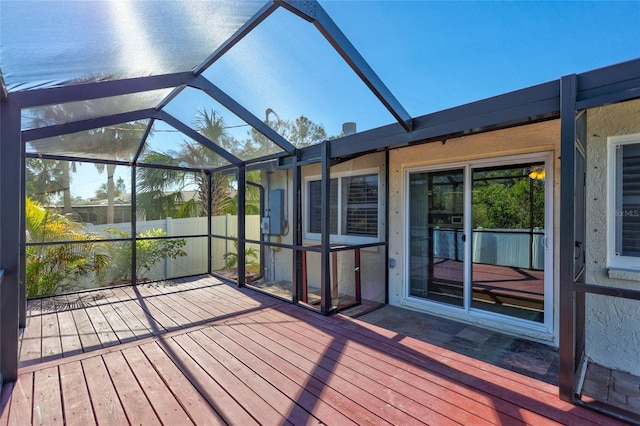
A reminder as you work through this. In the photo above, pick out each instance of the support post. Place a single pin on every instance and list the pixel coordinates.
(209, 227)
(325, 274)
(134, 224)
(567, 367)
(12, 291)
(242, 181)
(297, 232)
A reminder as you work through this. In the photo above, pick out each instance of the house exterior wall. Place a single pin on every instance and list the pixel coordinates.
(372, 259)
(534, 138)
(612, 324)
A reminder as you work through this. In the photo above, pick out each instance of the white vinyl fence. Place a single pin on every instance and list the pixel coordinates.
(195, 262)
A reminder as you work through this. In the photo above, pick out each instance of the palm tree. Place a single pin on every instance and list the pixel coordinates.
(160, 190)
(121, 140)
(52, 269)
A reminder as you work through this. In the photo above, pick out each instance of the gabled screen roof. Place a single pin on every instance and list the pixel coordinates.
(50, 43)
(273, 75)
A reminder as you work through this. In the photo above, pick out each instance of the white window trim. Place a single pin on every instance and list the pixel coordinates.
(342, 239)
(613, 261)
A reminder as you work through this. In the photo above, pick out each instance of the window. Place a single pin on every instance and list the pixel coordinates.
(624, 201)
(354, 206)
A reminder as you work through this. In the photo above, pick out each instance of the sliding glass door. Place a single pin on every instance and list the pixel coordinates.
(477, 237)
(436, 234)
(508, 213)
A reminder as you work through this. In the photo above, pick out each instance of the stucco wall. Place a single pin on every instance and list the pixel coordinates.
(612, 325)
(540, 137)
(372, 260)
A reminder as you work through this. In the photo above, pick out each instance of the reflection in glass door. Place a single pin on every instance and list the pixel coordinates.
(508, 216)
(498, 265)
(436, 237)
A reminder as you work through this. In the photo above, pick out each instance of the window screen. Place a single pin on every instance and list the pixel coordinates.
(315, 206)
(628, 200)
(353, 204)
(360, 205)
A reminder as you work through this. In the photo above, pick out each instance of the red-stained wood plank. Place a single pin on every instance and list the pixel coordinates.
(372, 364)
(137, 327)
(199, 411)
(47, 401)
(133, 399)
(104, 399)
(194, 311)
(116, 323)
(527, 393)
(379, 398)
(137, 296)
(166, 406)
(337, 394)
(87, 334)
(21, 407)
(102, 327)
(75, 395)
(496, 410)
(267, 365)
(269, 392)
(51, 345)
(69, 337)
(157, 299)
(5, 399)
(31, 341)
(247, 397)
(216, 395)
(135, 306)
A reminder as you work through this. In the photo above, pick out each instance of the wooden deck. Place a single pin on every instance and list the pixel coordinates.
(203, 352)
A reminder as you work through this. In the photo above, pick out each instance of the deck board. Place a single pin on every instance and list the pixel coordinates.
(203, 352)
(47, 409)
(133, 399)
(76, 401)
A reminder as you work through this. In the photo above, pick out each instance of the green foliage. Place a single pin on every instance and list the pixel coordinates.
(54, 269)
(102, 193)
(507, 199)
(149, 251)
(250, 257)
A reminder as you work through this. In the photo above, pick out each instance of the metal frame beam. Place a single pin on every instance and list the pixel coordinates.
(567, 368)
(523, 106)
(99, 89)
(314, 13)
(242, 234)
(248, 26)
(243, 113)
(325, 242)
(12, 289)
(3, 90)
(84, 125)
(198, 137)
(607, 85)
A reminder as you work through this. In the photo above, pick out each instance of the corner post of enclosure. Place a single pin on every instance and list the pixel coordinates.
(297, 231)
(12, 291)
(567, 367)
(134, 223)
(209, 226)
(242, 181)
(325, 274)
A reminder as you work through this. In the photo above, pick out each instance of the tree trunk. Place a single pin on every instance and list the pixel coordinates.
(66, 187)
(110, 192)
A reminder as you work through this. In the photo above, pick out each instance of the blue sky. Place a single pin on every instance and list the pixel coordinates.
(434, 55)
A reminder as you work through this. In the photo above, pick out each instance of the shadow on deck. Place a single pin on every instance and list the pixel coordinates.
(199, 351)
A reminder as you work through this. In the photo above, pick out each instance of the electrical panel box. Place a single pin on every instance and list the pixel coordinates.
(276, 212)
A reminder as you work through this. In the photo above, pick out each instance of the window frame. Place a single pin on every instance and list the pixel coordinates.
(340, 237)
(617, 261)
